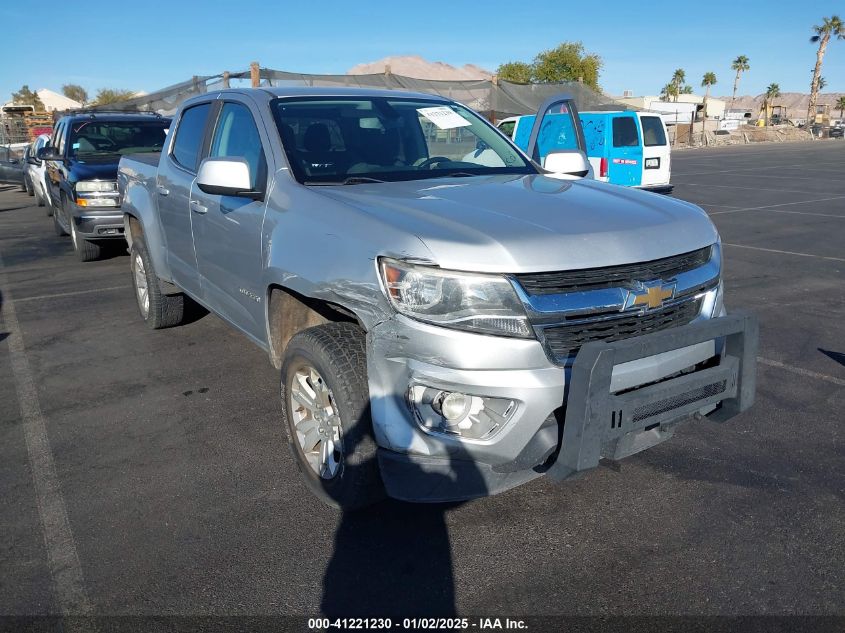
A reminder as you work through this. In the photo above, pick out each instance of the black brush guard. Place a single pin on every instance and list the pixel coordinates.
(600, 424)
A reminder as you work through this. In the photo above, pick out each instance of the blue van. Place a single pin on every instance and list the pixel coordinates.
(624, 148)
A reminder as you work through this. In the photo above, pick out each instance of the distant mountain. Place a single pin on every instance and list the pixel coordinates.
(796, 102)
(419, 68)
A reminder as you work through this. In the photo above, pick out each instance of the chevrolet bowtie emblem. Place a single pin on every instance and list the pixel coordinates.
(650, 296)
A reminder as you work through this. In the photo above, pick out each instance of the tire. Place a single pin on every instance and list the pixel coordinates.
(337, 352)
(39, 200)
(57, 225)
(86, 251)
(157, 309)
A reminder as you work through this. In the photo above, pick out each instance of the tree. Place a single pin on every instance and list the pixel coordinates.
(686, 90)
(740, 65)
(668, 92)
(678, 78)
(822, 83)
(75, 92)
(25, 96)
(841, 105)
(831, 27)
(709, 79)
(567, 62)
(516, 72)
(772, 93)
(107, 96)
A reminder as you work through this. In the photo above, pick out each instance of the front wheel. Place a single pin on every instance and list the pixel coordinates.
(326, 408)
(86, 251)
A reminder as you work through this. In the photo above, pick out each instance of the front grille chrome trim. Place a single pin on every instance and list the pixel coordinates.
(565, 321)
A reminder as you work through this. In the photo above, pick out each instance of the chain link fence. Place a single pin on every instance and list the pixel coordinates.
(492, 98)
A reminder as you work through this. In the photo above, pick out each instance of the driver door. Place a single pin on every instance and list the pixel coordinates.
(11, 170)
(557, 130)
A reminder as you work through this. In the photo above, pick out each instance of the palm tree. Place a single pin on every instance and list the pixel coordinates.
(841, 105)
(708, 80)
(831, 27)
(678, 78)
(740, 65)
(822, 83)
(772, 93)
(668, 92)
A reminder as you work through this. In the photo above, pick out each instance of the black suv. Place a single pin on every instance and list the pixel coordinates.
(82, 172)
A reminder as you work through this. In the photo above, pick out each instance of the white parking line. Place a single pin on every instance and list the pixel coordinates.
(772, 250)
(71, 294)
(800, 371)
(703, 184)
(62, 558)
(782, 204)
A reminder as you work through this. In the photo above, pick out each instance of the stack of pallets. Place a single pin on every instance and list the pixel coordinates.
(38, 123)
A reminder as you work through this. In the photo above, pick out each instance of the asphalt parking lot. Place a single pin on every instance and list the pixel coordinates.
(155, 462)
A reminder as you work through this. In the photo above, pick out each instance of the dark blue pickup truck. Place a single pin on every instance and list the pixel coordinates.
(82, 172)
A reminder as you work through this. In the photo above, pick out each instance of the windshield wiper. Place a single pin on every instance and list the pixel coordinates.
(460, 174)
(352, 180)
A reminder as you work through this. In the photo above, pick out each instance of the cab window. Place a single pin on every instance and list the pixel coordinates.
(625, 132)
(507, 127)
(236, 136)
(189, 136)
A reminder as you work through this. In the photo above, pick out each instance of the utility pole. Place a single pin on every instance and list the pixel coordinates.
(255, 74)
(225, 78)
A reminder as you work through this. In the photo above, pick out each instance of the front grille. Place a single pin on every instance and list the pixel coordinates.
(612, 276)
(566, 339)
(677, 401)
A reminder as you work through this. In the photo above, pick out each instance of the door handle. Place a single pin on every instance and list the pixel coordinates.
(196, 207)
(162, 191)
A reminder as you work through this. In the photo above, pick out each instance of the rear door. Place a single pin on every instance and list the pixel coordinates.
(625, 156)
(227, 229)
(175, 185)
(656, 151)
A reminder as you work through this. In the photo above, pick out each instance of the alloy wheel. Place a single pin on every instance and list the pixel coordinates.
(317, 422)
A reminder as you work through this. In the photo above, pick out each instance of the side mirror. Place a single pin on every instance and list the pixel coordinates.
(31, 160)
(568, 162)
(226, 177)
(48, 153)
(14, 161)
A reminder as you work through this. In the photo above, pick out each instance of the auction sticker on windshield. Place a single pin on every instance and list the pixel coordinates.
(444, 117)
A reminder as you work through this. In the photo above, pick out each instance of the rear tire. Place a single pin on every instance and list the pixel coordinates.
(57, 225)
(334, 355)
(86, 251)
(39, 200)
(157, 309)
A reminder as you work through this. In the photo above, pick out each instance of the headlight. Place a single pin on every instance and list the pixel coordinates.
(96, 185)
(464, 301)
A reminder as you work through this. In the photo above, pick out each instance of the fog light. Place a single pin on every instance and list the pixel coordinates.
(452, 406)
(455, 413)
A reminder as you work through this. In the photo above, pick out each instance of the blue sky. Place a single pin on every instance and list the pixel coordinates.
(148, 45)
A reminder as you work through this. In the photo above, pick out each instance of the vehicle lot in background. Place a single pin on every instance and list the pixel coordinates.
(169, 451)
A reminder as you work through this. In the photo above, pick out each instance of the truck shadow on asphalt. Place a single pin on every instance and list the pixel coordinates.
(395, 559)
(838, 357)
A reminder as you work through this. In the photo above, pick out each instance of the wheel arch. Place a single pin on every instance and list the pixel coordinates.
(289, 313)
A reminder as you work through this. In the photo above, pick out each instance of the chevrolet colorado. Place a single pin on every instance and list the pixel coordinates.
(448, 320)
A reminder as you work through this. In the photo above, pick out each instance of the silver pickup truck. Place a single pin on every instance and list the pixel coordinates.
(449, 319)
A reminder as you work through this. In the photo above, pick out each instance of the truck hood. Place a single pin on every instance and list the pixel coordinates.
(532, 223)
(84, 170)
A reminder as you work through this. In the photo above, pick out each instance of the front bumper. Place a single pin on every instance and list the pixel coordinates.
(99, 226)
(617, 399)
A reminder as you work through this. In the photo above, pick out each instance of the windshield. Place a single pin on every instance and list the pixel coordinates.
(331, 140)
(96, 138)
